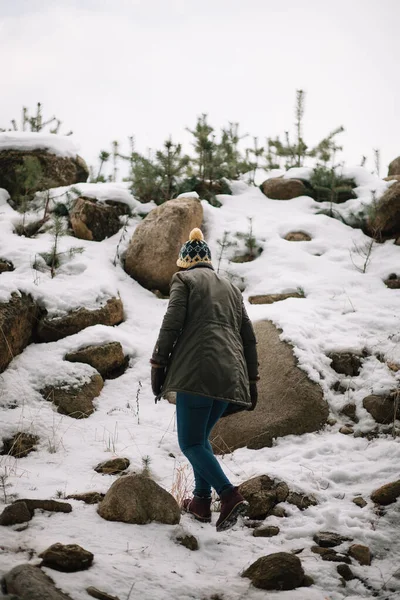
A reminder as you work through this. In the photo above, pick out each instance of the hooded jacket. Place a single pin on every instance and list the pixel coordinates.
(206, 341)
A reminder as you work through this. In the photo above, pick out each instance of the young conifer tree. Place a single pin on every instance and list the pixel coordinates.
(170, 166)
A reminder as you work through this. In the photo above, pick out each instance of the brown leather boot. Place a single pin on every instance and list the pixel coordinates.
(232, 506)
(199, 507)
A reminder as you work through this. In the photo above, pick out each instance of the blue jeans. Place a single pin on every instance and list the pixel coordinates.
(196, 416)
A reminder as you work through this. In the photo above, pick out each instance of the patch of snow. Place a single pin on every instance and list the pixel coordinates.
(189, 195)
(61, 145)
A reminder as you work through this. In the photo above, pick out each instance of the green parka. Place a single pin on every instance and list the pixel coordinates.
(206, 340)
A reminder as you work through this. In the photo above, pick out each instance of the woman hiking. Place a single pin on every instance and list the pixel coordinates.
(206, 353)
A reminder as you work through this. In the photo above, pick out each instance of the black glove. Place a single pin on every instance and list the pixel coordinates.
(157, 379)
(253, 395)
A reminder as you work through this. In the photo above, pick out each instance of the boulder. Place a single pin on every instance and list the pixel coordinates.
(56, 171)
(361, 553)
(51, 330)
(75, 400)
(263, 494)
(18, 319)
(20, 444)
(96, 221)
(346, 363)
(5, 265)
(288, 402)
(272, 298)
(297, 236)
(382, 408)
(66, 558)
(278, 571)
(113, 466)
(386, 494)
(138, 499)
(15, 514)
(278, 188)
(153, 250)
(107, 359)
(385, 221)
(394, 167)
(30, 583)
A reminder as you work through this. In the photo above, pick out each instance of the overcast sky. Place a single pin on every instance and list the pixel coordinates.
(112, 68)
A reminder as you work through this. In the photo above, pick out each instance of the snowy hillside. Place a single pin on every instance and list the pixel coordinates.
(342, 309)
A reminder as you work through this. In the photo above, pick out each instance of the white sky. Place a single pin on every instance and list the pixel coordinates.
(112, 68)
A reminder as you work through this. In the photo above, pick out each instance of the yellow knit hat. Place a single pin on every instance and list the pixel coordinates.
(194, 251)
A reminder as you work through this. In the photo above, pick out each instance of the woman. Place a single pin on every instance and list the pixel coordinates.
(206, 352)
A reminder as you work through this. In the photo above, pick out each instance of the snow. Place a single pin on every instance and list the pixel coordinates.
(102, 192)
(343, 310)
(61, 145)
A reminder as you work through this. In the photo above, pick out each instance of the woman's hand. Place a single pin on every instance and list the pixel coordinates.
(253, 395)
(158, 373)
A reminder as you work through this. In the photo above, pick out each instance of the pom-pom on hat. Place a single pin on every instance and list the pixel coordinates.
(194, 251)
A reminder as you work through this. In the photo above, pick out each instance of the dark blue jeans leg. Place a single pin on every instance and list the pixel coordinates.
(196, 416)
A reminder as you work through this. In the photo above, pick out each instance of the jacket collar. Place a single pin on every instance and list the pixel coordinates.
(201, 265)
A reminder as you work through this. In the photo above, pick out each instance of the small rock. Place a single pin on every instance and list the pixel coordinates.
(266, 531)
(328, 539)
(297, 236)
(359, 501)
(263, 493)
(66, 558)
(5, 265)
(349, 410)
(30, 583)
(382, 408)
(345, 363)
(113, 466)
(278, 511)
(346, 430)
(20, 445)
(278, 571)
(361, 553)
(302, 501)
(331, 421)
(330, 555)
(345, 572)
(386, 494)
(15, 513)
(187, 540)
(95, 593)
(87, 497)
(272, 298)
(393, 284)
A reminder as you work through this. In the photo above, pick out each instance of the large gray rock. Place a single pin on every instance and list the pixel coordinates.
(386, 494)
(288, 403)
(55, 170)
(138, 499)
(153, 250)
(383, 409)
(263, 494)
(54, 329)
(278, 188)
(30, 583)
(18, 318)
(67, 558)
(15, 513)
